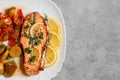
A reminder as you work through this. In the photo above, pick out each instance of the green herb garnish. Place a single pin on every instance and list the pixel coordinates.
(16, 27)
(38, 42)
(13, 62)
(32, 59)
(46, 17)
(2, 46)
(8, 12)
(30, 42)
(32, 23)
(41, 35)
(27, 35)
(35, 37)
(28, 50)
(26, 27)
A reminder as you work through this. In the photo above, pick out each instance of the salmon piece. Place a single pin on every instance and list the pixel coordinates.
(32, 68)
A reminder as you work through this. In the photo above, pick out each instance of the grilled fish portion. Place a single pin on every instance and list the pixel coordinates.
(33, 46)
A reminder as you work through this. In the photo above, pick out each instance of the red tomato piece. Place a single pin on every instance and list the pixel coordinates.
(12, 42)
(21, 14)
(3, 16)
(19, 18)
(9, 29)
(16, 20)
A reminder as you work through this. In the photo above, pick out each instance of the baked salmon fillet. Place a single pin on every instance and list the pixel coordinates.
(33, 39)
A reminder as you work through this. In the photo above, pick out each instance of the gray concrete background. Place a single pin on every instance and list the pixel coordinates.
(93, 39)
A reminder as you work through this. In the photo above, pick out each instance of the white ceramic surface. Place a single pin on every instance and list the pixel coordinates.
(43, 7)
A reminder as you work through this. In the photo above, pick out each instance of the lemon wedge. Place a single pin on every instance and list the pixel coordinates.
(35, 28)
(54, 40)
(54, 25)
(51, 57)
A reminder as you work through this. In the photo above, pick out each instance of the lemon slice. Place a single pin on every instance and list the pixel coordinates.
(54, 40)
(51, 57)
(54, 25)
(35, 28)
(36, 53)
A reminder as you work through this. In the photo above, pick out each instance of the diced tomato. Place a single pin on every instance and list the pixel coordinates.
(16, 20)
(1, 31)
(19, 18)
(8, 21)
(9, 29)
(21, 14)
(3, 16)
(12, 42)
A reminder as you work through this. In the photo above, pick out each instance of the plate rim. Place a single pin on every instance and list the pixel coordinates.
(61, 15)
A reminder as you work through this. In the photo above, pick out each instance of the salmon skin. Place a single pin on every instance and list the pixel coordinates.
(34, 54)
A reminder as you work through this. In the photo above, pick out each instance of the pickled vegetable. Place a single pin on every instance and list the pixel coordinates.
(15, 51)
(10, 68)
(1, 68)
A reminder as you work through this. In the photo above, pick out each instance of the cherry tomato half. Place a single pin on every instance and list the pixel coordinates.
(12, 42)
(9, 29)
(19, 18)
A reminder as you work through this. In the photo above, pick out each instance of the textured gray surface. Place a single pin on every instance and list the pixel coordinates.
(93, 39)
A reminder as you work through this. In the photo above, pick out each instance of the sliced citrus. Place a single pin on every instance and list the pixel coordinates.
(54, 25)
(35, 52)
(54, 40)
(51, 57)
(35, 28)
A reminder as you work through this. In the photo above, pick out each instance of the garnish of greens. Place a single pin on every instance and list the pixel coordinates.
(33, 40)
(26, 27)
(16, 27)
(2, 46)
(32, 59)
(28, 50)
(46, 17)
(27, 35)
(31, 22)
(41, 35)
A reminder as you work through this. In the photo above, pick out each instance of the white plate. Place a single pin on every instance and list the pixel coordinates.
(51, 9)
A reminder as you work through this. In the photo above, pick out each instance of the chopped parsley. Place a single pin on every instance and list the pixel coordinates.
(27, 35)
(26, 27)
(46, 17)
(8, 12)
(32, 59)
(2, 46)
(28, 50)
(16, 27)
(41, 35)
(35, 37)
(38, 42)
(30, 42)
(32, 23)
